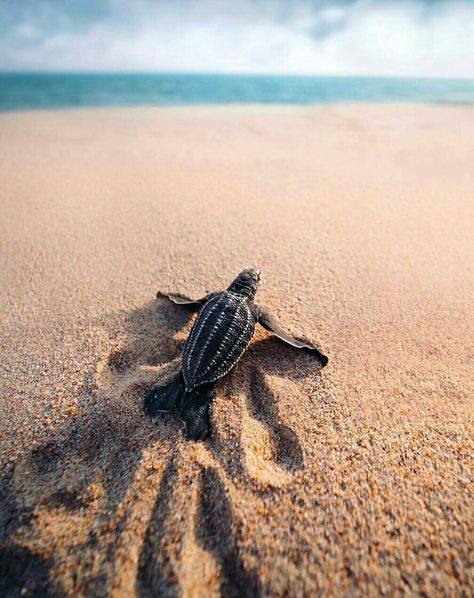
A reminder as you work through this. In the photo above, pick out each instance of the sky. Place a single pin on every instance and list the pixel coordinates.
(433, 38)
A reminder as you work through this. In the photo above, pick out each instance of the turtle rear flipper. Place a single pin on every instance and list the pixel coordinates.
(164, 398)
(195, 412)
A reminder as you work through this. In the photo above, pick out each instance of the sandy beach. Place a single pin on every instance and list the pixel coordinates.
(356, 480)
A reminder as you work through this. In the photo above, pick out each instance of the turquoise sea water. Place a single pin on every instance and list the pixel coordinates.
(42, 91)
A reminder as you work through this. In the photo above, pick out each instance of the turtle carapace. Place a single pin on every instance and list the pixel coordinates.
(219, 337)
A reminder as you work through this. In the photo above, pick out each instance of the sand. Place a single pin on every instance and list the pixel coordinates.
(354, 480)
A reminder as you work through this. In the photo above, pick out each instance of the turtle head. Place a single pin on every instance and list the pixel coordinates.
(246, 283)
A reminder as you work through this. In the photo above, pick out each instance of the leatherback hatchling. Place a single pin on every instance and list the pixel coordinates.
(220, 335)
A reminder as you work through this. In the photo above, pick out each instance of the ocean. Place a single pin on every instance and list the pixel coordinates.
(20, 91)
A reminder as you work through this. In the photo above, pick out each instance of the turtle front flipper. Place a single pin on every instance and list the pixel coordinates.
(179, 299)
(195, 412)
(265, 319)
(164, 398)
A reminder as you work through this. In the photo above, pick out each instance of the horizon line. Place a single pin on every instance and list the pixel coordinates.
(229, 74)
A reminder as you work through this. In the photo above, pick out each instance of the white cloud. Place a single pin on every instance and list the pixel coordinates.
(362, 37)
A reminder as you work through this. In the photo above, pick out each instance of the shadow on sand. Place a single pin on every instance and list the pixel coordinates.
(86, 468)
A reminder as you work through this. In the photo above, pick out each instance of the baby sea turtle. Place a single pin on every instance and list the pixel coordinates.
(220, 335)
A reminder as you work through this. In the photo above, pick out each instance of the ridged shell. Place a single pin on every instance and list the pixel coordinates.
(219, 337)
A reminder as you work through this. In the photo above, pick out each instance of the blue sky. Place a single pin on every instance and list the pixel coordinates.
(387, 37)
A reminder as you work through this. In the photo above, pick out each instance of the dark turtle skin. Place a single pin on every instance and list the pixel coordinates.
(222, 332)
(219, 337)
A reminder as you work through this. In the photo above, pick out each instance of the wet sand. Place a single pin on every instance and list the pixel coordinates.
(354, 480)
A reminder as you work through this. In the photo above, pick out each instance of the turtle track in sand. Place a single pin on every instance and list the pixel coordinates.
(138, 509)
(191, 546)
(214, 530)
(287, 451)
(192, 543)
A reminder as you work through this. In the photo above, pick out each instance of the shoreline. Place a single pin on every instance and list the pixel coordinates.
(238, 105)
